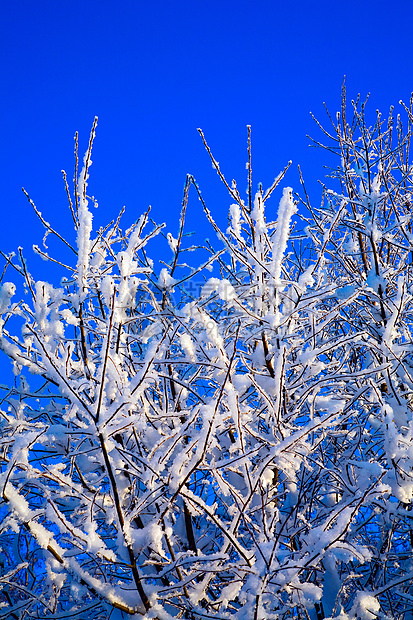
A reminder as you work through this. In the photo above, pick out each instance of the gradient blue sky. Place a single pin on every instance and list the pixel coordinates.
(155, 71)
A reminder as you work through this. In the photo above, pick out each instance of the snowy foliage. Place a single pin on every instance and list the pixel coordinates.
(239, 449)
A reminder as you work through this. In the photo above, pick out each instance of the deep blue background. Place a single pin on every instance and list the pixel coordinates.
(155, 71)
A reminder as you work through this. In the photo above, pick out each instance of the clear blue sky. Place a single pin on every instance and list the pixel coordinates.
(154, 71)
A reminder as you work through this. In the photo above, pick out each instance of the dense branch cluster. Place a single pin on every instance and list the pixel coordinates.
(232, 439)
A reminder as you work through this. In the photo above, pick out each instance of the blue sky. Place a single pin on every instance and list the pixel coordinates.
(155, 71)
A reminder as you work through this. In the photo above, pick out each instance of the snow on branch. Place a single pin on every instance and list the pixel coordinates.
(227, 437)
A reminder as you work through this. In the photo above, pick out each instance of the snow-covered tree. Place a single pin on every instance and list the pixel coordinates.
(229, 439)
